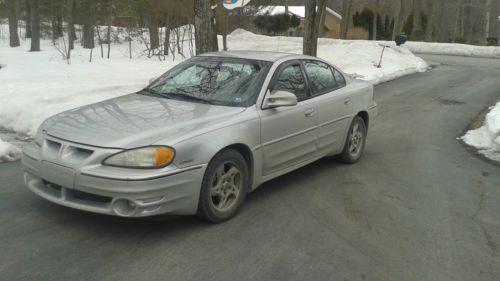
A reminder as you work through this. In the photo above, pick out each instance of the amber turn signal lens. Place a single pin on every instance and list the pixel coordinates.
(164, 155)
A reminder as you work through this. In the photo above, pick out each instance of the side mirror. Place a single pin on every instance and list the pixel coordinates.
(280, 98)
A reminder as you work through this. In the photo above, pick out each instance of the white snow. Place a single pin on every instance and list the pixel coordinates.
(454, 49)
(37, 85)
(351, 56)
(8, 152)
(487, 138)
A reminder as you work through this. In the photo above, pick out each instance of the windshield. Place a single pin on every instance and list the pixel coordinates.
(213, 80)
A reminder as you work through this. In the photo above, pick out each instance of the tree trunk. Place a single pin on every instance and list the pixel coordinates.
(204, 27)
(154, 41)
(374, 24)
(109, 20)
(71, 27)
(312, 26)
(28, 19)
(108, 37)
(166, 43)
(99, 38)
(35, 26)
(13, 33)
(346, 18)
(418, 29)
(461, 26)
(429, 32)
(435, 30)
(398, 18)
(88, 27)
(487, 26)
(224, 30)
(88, 34)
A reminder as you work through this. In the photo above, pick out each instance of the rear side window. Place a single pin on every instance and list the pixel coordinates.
(339, 78)
(321, 77)
(291, 79)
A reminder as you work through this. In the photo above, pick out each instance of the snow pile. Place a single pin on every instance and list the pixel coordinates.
(487, 138)
(454, 49)
(8, 152)
(351, 56)
(37, 85)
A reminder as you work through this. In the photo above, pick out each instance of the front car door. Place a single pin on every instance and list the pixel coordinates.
(288, 134)
(334, 105)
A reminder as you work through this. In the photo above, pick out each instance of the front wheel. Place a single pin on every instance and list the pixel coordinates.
(355, 143)
(224, 186)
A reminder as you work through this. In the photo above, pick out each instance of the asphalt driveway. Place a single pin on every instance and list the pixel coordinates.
(419, 206)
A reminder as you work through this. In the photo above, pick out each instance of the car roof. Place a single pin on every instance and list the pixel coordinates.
(257, 55)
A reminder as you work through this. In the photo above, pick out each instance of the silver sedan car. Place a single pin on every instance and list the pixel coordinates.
(201, 136)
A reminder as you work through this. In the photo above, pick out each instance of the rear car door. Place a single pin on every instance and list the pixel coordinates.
(334, 105)
(288, 134)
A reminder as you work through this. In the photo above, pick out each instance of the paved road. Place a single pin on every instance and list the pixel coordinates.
(418, 207)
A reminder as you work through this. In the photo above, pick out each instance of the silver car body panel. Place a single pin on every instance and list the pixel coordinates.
(67, 169)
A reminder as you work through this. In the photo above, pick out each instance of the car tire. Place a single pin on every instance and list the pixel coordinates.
(224, 186)
(354, 145)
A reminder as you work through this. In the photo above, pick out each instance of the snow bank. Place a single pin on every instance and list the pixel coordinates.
(454, 49)
(37, 85)
(487, 138)
(352, 56)
(8, 152)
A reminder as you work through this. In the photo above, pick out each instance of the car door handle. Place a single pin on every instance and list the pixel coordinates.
(309, 113)
(347, 101)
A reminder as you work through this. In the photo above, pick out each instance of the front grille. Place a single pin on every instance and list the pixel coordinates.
(68, 153)
(80, 195)
(53, 186)
(73, 195)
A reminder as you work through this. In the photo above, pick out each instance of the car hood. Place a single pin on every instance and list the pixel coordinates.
(135, 120)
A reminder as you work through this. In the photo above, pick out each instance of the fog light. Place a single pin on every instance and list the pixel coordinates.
(124, 207)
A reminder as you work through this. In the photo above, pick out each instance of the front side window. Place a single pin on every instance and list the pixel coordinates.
(320, 76)
(339, 78)
(291, 79)
(213, 80)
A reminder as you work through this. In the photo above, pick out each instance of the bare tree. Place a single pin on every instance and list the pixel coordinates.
(28, 19)
(205, 36)
(166, 42)
(346, 18)
(35, 26)
(398, 18)
(487, 27)
(154, 39)
(88, 25)
(418, 29)
(109, 19)
(71, 27)
(13, 33)
(312, 26)
(375, 18)
(435, 30)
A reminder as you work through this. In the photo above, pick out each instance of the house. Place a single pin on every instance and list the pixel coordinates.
(331, 25)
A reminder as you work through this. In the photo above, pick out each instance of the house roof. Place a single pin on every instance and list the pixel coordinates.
(299, 11)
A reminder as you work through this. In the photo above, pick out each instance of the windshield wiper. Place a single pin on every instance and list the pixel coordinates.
(187, 97)
(147, 91)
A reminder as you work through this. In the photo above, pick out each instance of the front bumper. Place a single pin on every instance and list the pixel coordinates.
(112, 191)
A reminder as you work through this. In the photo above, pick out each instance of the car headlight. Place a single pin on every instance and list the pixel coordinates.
(145, 157)
(39, 136)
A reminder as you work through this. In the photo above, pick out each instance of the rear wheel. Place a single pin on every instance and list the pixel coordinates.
(355, 142)
(224, 186)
